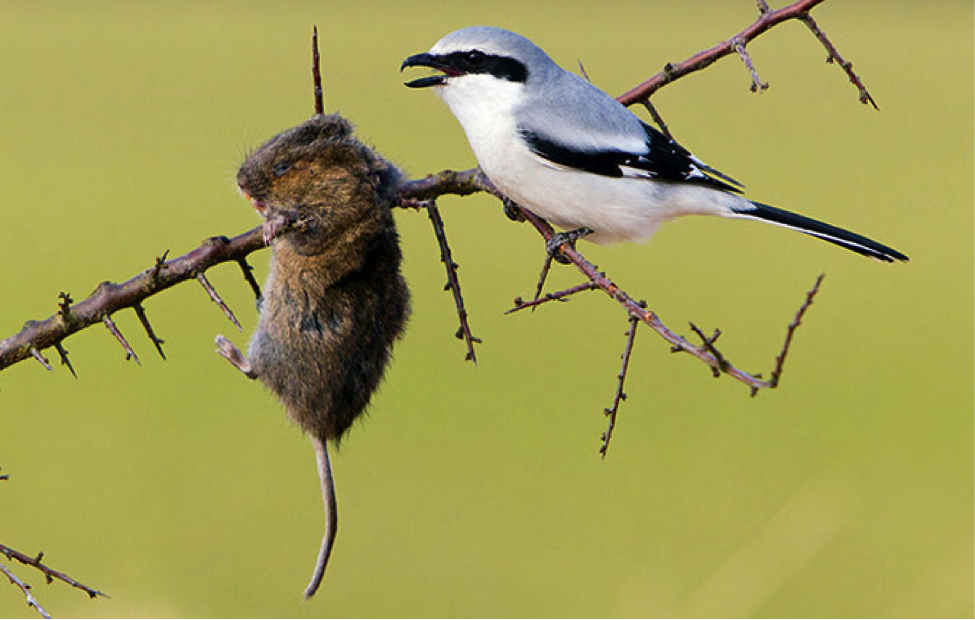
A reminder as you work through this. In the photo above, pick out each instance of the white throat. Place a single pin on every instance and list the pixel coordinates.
(485, 106)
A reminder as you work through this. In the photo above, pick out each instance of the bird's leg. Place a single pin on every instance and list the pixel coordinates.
(554, 245)
(235, 357)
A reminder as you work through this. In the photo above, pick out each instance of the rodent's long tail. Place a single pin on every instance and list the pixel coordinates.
(331, 514)
(827, 232)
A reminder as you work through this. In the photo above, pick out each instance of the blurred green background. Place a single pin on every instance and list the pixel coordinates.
(179, 487)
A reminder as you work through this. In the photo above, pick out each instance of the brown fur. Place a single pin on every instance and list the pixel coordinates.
(334, 300)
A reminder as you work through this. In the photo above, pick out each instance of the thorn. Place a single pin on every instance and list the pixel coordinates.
(64, 304)
(582, 70)
(212, 292)
(64, 358)
(129, 353)
(40, 358)
(158, 342)
(157, 267)
(249, 276)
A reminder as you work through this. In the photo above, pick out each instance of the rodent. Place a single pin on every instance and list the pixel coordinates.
(335, 300)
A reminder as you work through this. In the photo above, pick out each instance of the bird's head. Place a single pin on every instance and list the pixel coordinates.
(479, 55)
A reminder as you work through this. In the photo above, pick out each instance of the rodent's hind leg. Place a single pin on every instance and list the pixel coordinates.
(234, 356)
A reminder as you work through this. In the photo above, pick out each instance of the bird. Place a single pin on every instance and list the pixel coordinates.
(554, 143)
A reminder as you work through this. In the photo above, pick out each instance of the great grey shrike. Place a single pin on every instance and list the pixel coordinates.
(556, 144)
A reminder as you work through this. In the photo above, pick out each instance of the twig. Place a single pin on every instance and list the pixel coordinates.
(583, 72)
(620, 396)
(659, 120)
(25, 588)
(49, 573)
(834, 55)
(705, 58)
(542, 276)
(757, 84)
(453, 282)
(709, 345)
(316, 73)
(248, 272)
(521, 304)
(780, 359)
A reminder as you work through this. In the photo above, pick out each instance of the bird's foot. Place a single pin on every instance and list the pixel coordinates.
(554, 245)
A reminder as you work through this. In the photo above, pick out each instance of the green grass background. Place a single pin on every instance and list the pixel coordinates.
(179, 487)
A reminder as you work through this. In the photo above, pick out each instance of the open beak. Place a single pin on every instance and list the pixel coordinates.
(427, 60)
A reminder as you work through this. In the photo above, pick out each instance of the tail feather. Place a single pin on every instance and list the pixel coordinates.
(822, 230)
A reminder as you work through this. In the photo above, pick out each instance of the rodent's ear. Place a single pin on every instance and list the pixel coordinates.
(330, 127)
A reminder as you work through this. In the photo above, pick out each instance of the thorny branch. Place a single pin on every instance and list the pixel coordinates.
(767, 20)
(620, 396)
(49, 573)
(25, 588)
(110, 298)
(453, 282)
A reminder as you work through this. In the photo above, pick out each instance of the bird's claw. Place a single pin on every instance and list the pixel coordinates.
(554, 244)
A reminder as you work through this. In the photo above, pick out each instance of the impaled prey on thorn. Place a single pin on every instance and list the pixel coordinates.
(335, 300)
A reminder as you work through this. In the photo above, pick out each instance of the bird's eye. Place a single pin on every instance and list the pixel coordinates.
(475, 59)
(281, 168)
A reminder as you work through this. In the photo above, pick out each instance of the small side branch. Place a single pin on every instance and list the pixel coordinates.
(791, 330)
(453, 282)
(723, 364)
(834, 56)
(248, 272)
(757, 84)
(736, 45)
(316, 73)
(25, 588)
(658, 119)
(620, 396)
(50, 575)
(521, 304)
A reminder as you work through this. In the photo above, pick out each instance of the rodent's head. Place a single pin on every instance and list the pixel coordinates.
(319, 174)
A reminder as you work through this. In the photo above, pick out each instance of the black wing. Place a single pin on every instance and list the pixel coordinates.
(664, 160)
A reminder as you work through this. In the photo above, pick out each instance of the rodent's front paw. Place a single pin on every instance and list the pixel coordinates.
(273, 226)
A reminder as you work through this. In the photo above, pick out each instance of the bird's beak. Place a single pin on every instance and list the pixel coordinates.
(426, 60)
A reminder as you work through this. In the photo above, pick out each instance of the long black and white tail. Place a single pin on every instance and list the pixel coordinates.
(827, 232)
